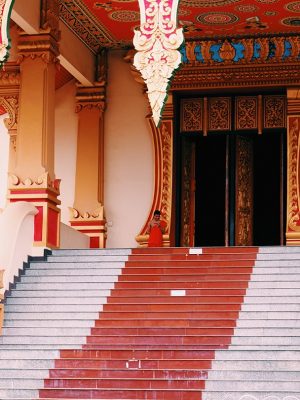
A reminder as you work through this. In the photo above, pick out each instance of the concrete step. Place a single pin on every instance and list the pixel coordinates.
(21, 293)
(101, 299)
(51, 308)
(54, 323)
(72, 252)
(106, 283)
(21, 383)
(253, 395)
(66, 278)
(24, 316)
(74, 266)
(44, 332)
(80, 258)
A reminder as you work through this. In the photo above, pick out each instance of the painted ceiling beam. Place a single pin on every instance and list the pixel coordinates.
(157, 43)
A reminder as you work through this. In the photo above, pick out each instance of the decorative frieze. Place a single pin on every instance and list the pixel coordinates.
(250, 113)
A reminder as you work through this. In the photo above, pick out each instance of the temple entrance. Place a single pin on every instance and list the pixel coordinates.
(232, 189)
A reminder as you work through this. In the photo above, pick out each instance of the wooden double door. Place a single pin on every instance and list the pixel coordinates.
(232, 189)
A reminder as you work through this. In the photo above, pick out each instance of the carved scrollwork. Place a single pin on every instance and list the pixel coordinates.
(219, 113)
(246, 113)
(274, 111)
(293, 175)
(191, 115)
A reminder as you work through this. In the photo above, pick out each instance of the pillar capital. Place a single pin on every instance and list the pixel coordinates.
(90, 97)
(41, 46)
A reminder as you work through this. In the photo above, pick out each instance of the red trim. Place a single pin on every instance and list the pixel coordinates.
(38, 225)
(94, 242)
(52, 227)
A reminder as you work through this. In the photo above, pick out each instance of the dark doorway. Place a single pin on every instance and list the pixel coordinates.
(217, 189)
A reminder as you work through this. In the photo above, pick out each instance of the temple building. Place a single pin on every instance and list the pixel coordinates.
(111, 111)
(79, 141)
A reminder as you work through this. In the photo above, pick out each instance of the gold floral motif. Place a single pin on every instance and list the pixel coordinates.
(293, 174)
(157, 57)
(191, 112)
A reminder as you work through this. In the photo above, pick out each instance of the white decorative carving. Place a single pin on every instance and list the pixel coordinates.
(156, 42)
(5, 10)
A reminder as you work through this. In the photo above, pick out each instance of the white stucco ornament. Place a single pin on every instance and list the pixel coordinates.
(5, 11)
(157, 43)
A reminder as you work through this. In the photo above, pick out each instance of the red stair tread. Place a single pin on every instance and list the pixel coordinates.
(148, 342)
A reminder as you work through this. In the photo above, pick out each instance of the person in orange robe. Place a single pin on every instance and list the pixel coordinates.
(156, 229)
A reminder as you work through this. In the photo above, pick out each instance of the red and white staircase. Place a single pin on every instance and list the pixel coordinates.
(159, 324)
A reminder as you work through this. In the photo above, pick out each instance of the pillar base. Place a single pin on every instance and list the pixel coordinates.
(143, 240)
(93, 225)
(293, 238)
(43, 194)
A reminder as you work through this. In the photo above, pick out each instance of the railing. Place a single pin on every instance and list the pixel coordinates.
(16, 238)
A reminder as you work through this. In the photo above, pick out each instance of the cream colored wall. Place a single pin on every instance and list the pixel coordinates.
(128, 179)
(4, 146)
(66, 121)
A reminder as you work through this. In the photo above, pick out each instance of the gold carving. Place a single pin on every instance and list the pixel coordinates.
(191, 115)
(88, 97)
(293, 212)
(274, 111)
(162, 196)
(219, 113)
(227, 51)
(246, 112)
(186, 195)
(11, 105)
(244, 192)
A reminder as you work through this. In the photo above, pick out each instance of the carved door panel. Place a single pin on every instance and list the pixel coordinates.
(244, 191)
(187, 238)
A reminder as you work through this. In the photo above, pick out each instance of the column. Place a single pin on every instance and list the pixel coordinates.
(163, 174)
(9, 100)
(293, 173)
(87, 213)
(32, 178)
